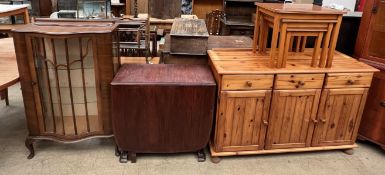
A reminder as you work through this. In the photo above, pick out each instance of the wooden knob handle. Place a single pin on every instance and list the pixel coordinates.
(351, 82)
(249, 83)
(382, 104)
(265, 122)
(315, 121)
(323, 120)
(301, 83)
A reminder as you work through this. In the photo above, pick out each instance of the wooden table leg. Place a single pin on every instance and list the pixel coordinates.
(286, 49)
(4, 96)
(274, 40)
(325, 47)
(333, 42)
(317, 48)
(256, 32)
(304, 41)
(282, 49)
(26, 16)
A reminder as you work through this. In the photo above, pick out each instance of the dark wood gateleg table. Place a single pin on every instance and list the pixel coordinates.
(162, 109)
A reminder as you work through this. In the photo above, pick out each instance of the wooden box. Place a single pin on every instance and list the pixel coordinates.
(189, 36)
(162, 108)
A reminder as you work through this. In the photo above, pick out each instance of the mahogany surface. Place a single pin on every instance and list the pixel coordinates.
(162, 108)
(370, 49)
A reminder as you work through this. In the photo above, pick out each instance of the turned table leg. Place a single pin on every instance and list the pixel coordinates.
(29, 144)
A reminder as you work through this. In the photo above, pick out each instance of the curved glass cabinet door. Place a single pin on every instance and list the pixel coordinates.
(66, 84)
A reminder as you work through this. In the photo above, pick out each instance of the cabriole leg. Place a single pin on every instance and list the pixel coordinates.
(29, 144)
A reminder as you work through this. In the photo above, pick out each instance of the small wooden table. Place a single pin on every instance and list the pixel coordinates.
(13, 10)
(302, 15)
(9, 74)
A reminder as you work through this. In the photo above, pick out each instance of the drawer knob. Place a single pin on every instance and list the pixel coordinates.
(301, 83)
(351, 82)
(382, 104)
(265, 122)
(315, 121)
(249, 83)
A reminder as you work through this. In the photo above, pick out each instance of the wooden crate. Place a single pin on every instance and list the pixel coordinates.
(189, 36)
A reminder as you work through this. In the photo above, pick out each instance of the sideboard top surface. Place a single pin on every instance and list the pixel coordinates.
(299, 8)
(233, 61)
(164, 74)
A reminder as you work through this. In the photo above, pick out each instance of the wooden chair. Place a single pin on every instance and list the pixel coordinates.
(140, 44)
(213, 22)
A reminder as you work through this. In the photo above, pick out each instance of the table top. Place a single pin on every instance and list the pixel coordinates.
(164, 74)
(219, 42)
(9, 8)
(9, 73)
(299, 9)
(246, 62)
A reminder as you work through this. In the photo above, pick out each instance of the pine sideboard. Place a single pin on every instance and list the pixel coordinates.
(263, 110)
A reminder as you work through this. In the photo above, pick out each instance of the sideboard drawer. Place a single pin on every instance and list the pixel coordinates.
(299, 81)
(349, 80)
(247, 82)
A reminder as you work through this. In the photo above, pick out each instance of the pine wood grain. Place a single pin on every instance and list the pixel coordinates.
(9, 74)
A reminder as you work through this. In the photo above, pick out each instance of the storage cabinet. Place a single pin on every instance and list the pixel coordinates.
(65, 70)
(263, 110)
(292, 118)
(370, 49)
(339, 116)
(243, 119)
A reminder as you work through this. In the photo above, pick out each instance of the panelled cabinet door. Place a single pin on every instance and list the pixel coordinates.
(292, 118)
(242, 120)
(339, 116)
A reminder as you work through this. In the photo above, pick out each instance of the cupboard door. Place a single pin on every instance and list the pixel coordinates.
(242, 120)
(292, 118)
(339, 116)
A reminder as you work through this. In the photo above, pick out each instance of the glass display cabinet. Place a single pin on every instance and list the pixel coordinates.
(66, 68)
(94, 9)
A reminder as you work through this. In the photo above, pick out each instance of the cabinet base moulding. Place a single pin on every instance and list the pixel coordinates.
(277, 151)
